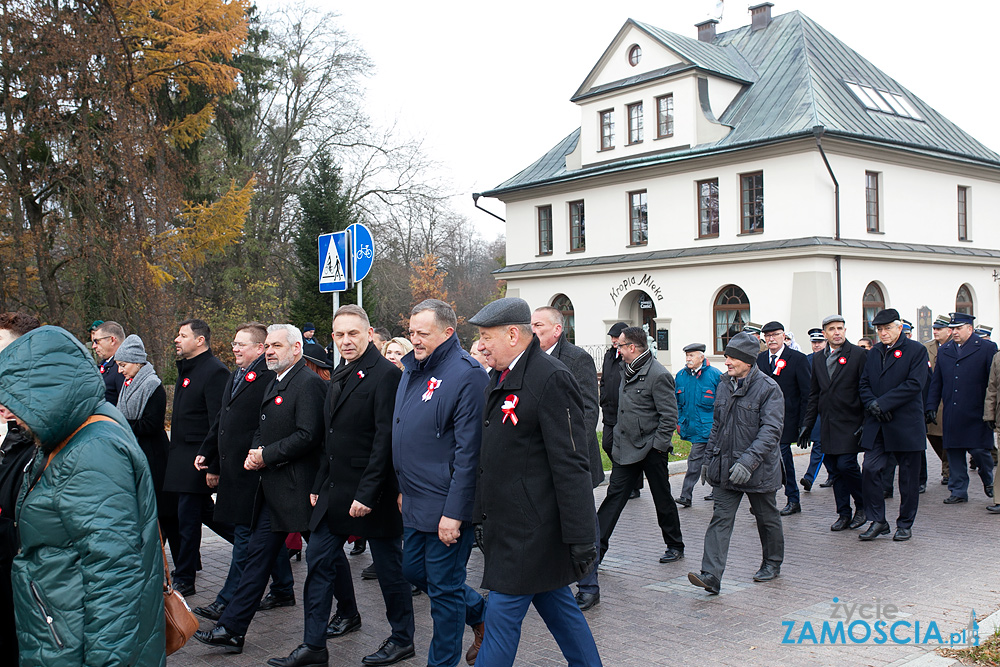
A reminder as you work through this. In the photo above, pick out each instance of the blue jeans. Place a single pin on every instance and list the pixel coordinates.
(440, 570)
(282, 583)
(505, 613)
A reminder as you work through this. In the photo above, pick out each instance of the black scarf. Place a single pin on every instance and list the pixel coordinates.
(633, 368)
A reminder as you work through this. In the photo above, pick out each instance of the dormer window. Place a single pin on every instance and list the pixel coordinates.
(634, 55)
(875, 99)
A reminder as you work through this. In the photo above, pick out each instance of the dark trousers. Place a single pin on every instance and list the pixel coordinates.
(588, 584)
(958, 480)
(846, 482)
(194, 509)
(558, 609)
(695, 460)
(720, 529)
(607, 440)
(8, 628)
(889, 476)
(909, 483)
(262, 549)
(622, 482)
(282, 582)
(788, 473)
(440, 570)
(330, 576)
(937, 444)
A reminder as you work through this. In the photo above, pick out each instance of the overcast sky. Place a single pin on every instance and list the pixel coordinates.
(486, 85)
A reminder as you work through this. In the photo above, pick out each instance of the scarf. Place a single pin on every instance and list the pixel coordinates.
(633, 368)
(136, 392)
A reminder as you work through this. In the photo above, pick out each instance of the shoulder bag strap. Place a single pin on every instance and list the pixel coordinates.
(90, 420)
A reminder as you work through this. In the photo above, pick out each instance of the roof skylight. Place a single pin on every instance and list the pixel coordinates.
(882, 100)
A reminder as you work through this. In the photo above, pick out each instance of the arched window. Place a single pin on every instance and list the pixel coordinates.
(730, 312)
(872, 302)
(963, 300)
(565, 306)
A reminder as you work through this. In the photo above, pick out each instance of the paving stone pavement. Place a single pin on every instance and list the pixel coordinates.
(650, 615)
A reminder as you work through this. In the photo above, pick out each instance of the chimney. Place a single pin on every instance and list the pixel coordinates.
(760, 16)
(706, 30)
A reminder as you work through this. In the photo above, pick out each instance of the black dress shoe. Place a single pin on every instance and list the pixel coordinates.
(359, 547)
(790, 508)
(944, 481)
(767, 572)
(877, 528)
(827, 484)
(859, 519)
(683, 502)
(303, 656)
(994, 509)
(340, 626)
(806, 484)
(887, 494)
(369, 572)
(219, 636)
(705, 580)
(212, 612)
(710, 496)
(902, 534)
(187, 590)
(635, 494)
(587, 600)
(389, 653)
(272, 601)
(843, 523)
(672, 555)
(988, 488)
(954, 500)
(922, 488)
(414, 591)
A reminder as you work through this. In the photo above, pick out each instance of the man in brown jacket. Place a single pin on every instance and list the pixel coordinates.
(942, 334)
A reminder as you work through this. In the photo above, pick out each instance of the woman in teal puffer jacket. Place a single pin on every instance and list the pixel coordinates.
(88, 580)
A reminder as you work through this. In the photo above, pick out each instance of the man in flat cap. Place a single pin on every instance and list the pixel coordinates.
(696, 384)
(743, 457)
(942, 334)
(816, 457)
(534, 501)
(891, 388)
(790, 370)
(833, 395)
(967, 358)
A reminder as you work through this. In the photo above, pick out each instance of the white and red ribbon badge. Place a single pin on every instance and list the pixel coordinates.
(508, 409)
(842, 361)
(186, 382)
(278, 400)
(897, 354)
(432, 384)
(361, 375)
(250, 377)
(129, 381)
(778, 366)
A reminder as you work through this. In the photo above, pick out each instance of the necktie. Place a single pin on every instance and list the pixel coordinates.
(239, 378)
(773, 357)
(502, 376)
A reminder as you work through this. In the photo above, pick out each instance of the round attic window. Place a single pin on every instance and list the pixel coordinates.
(634, 55)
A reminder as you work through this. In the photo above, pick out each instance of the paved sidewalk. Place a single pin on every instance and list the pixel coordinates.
(650, 615)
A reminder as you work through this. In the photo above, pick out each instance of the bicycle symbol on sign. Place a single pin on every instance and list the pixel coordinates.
(364, 252)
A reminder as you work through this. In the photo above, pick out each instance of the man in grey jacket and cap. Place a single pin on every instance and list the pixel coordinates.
(743, 457)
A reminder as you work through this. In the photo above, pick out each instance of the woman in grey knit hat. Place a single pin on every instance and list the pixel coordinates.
(143, 401)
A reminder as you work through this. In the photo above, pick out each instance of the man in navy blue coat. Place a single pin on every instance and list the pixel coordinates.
(960, 378)
(892, 388)
(790, 369)
(436, 436)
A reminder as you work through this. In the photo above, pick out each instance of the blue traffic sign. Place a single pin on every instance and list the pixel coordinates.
(333, 262)
(363, 247)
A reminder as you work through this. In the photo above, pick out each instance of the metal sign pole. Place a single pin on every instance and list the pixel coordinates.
(336, 352)
(360, 300)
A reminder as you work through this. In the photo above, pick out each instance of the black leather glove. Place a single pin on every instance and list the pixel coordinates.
(583, 557)
(885, 417)
(805, 438)
(992, 424)
(930, 417)
(874, 410)
(477, 531)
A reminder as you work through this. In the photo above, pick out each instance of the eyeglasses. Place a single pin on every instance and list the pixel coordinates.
(240, 345)
(775, 334)
(98, 340)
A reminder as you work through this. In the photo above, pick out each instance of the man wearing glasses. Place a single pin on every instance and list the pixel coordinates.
(106, 338)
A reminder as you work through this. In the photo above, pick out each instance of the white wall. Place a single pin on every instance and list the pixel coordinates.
(617, 67)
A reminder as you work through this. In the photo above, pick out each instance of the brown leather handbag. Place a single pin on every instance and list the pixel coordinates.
(181, 622)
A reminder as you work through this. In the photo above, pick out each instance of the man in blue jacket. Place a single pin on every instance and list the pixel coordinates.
(436, 436)
(696, 385)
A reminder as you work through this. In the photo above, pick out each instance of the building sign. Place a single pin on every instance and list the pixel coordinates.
(644, 282)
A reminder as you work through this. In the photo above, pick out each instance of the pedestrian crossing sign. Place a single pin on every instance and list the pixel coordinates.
(333, 262)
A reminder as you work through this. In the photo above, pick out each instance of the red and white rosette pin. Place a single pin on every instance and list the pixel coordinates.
(897, 354)
(186, 382)
(278, 400)
(778, 367)
(508, 409)
(128, 382)
(432, 384)
(250, 377)
(361, 375)
(842, 361)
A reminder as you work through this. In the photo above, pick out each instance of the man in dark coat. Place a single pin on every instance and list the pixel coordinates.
(534, 497)
(355, 494)
(790, 369)
(286, 450)
(201, 380)
(436, 436)
(960, 378)
(221, 457)
(891, 389)
(834, 396)
(610, 383)
(547, 325)
(743, 457)
(106, 338)
(942, 334)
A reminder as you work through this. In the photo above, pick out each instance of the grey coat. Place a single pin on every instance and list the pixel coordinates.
(647, 414)
(746, 427)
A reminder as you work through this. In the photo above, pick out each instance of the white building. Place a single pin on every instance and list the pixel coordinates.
(765, 173)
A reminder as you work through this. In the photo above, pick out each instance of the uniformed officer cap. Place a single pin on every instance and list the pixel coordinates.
(833, 318)
(887, 316)
(984, 330)
(942, 323)
(616, 329)
(751, 327)
(695, 347)
(508, 310)
(816, 335)
(907, 325)
(958, 319)
(772, 326)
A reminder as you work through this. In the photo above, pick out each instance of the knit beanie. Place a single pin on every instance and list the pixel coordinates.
(744, 347)
(131, 351)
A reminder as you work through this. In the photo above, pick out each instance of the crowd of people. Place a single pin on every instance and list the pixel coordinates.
(419, 450)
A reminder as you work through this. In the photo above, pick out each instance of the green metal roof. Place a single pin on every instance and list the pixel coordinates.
(796, 71)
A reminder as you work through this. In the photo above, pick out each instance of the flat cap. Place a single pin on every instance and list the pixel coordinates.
(816, 335)
(616, 329)
(751, 327)
(744, 347)
(958, 319)
(772, 326)
(833, 318)
(886, 316)
(942, 322)
(695, 347)
(508, 310)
